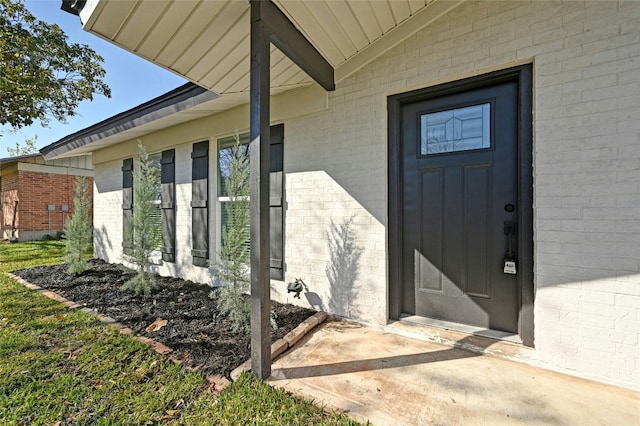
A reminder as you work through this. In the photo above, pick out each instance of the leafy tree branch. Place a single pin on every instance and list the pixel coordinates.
(42, 75)
(29, 147)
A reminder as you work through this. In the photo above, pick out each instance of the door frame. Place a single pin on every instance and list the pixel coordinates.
(523, 76)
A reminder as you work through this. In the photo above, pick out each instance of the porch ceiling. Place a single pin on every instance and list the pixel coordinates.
(208, 41)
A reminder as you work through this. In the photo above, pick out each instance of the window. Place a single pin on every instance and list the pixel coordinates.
(232, 208)
(276, 195)
(460, 129)
(225, 151)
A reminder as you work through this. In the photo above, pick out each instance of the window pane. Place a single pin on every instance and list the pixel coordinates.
(235, 229)
(460, 129)
(225, 157)
(234, 226)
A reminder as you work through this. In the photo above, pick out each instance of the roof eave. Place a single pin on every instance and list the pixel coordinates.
(17, 159)
(182, 98)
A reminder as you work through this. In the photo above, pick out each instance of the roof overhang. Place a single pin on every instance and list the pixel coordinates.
(186, 103)
(9, 160)
(207, 42)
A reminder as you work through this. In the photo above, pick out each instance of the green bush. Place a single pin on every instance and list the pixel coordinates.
(232, 268)
(145, 235)
(78, 230)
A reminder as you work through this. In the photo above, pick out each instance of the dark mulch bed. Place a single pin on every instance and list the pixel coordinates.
(200, 337)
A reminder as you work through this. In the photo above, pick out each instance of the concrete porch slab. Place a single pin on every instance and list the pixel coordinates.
(391, 379)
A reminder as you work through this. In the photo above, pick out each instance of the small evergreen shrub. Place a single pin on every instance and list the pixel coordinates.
(232, 268)
(78, 230)
(145, 234)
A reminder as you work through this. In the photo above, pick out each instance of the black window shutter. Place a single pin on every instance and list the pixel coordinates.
(200, 204)
(168, 204)
(276, 202)
(127, 204)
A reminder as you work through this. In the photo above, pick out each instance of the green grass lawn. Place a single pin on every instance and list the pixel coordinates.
(61, 367)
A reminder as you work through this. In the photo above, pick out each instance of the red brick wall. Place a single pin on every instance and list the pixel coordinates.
(35, 192)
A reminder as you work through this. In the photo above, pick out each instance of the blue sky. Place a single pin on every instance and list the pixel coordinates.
(133, 81)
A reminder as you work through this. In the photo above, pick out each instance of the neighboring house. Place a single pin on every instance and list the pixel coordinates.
(37, 194)
(476, 166)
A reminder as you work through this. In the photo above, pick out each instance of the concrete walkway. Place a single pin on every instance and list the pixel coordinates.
(389, 379)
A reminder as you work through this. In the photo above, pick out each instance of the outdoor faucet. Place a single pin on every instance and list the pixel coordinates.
(296, 287)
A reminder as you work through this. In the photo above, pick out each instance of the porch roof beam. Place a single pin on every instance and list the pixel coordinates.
(286, 37)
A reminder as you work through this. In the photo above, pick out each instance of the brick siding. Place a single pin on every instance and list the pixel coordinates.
(586, 61)
(35, 192)
(586, 167)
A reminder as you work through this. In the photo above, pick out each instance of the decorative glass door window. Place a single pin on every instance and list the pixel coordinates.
(460, 129)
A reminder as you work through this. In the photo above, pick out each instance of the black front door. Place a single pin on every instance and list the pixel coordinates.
(459, 174)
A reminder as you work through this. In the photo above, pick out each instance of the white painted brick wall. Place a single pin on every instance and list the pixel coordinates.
(586, 59)
(108, 217)
(107, 211)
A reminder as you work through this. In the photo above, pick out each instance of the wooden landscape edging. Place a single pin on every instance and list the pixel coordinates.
(281, 345)
(216, 382)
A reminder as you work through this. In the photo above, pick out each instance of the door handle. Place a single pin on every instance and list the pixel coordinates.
(509, 262)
